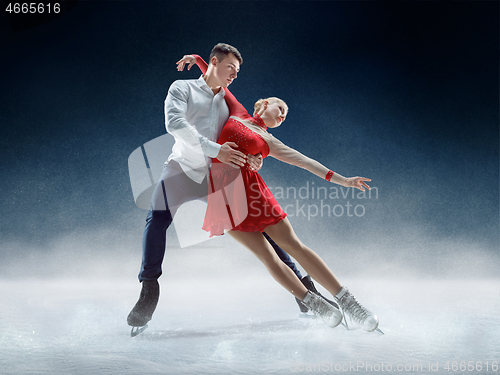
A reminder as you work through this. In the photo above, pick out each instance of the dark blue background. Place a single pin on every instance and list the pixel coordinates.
(405, 93)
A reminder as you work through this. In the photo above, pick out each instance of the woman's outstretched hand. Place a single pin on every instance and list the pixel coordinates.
(357, 182)
(186, 59)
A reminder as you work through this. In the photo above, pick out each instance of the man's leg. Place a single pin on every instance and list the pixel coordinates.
(153, 251)
(154, 243)
(179, 188)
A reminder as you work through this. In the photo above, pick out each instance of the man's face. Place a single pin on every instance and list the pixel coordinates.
(227, 70)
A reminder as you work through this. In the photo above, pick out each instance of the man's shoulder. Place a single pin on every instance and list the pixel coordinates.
(183, 84)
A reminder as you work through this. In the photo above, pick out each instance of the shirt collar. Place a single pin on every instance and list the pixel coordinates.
(258, 121)
(203, 85)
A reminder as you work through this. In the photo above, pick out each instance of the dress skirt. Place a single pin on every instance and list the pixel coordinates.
(239, 199)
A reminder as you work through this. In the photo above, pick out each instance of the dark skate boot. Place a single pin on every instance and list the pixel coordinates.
(143, 310)
(303, 308)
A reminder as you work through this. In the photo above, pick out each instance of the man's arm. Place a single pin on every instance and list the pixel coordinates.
(255, 162)
(179, 127)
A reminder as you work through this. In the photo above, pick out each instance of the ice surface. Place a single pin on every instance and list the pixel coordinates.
(242, 325)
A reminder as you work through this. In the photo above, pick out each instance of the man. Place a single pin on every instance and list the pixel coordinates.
(195, 112)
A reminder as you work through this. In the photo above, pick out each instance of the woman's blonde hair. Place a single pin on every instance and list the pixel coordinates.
(271, 100)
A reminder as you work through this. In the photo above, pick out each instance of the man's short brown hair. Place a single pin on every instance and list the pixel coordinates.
(221, 50)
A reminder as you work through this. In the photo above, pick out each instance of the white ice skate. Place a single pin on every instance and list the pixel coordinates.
(320, 307)
(356, 312)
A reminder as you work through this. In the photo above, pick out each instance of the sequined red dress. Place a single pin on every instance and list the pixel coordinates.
(239, 199)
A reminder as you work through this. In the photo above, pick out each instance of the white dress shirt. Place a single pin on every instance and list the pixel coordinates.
(195, 117)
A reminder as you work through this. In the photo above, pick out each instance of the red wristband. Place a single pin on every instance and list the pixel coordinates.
(329, 175)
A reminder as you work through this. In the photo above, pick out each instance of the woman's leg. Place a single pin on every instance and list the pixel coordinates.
(283, 255)
(257, 244)
(284, 236)
(282, 233)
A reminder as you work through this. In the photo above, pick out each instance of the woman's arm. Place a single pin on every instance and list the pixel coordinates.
(190, 60)
(282, 152)
(201, 63)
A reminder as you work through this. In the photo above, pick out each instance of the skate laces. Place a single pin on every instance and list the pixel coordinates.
(321, 307)
(353, 308)
(317, 305)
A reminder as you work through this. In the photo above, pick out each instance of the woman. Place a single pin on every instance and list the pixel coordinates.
(241, 204)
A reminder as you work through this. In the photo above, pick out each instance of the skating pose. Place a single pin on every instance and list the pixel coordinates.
(195, 112)
(246, 219)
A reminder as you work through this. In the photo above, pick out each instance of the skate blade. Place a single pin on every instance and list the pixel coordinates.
(137, 330)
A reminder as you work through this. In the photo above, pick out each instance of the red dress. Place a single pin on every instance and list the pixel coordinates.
(239, 199)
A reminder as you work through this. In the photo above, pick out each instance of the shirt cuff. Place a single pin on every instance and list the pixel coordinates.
(212, 149)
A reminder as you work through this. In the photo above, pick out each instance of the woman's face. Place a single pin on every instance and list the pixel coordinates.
(274, 115)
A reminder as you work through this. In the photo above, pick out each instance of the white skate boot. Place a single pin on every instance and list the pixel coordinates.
(319, 306)
(359, 314)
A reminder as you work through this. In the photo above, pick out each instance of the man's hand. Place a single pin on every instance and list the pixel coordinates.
(255, 162)
(230, 156)
(357, 182)
(187, 59)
